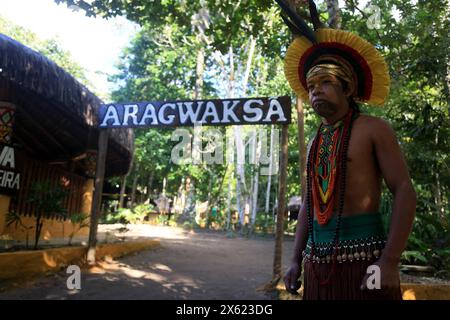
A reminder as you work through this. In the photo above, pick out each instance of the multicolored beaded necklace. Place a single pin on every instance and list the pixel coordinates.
(326, 170)
(326, 166)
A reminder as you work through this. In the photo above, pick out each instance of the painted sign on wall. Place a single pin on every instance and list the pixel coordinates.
(9, 177)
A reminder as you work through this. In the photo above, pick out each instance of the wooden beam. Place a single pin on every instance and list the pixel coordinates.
(31, 141)
(98, 190)
(281, 206)
(21, 144)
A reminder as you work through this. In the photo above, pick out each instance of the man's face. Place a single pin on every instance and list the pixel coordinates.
(326, 94)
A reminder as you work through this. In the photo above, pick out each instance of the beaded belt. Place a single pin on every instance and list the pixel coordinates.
(362, 237)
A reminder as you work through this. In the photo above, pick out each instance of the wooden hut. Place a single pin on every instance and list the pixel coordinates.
(48, 131)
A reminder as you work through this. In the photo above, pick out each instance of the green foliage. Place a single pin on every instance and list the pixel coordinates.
(134, 215)
(163, 220)
(264, 223)
(78, 221)
(47, 198)
(13, 218)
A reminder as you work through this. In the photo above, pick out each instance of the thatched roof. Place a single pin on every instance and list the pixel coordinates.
(55, 109)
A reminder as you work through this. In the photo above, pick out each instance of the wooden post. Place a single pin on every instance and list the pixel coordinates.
(98, 190)
(281, 206)
(301, 145)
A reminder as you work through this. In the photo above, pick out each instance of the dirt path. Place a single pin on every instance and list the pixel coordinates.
(189, 265)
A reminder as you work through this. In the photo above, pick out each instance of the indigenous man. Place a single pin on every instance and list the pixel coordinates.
(340, 231)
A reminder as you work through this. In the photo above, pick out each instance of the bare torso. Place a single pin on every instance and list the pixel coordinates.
(363, 181)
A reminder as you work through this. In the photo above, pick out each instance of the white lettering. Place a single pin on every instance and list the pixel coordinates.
(228, 111)
(256, 111)
(275, 109)
(7, 157)
(16, 183)
(189, 111)
(149, 113)
(193, 310)
(169, 118)
(210, 112)
(130, 112)
(111, 114)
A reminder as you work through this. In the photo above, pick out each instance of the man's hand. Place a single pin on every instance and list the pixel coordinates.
(389, 276)
(291, 279)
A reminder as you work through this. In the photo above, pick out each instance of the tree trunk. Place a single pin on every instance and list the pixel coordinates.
(208, 201)
(256, 183)
(249, 65)
(150, 185)
(229, 201)
(281, 206)
(301, 145)
(124, 184)
(189, 208)
(240, 174)
(199, 73)
(182, 195)
(334, 15)
(437, 187)
(97, 196)
(122, 191)
(37, 235)
(269, 178)
(135, 181)
(241, 190)
(164, 186)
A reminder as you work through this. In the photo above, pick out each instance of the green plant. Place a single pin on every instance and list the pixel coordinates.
(13, 218)
(78, 221)
(429, 242)
(48, 200)
(162, 219)
(290, 226)
(264, 223)
(133, 215)
(188, 225)
(141, 211)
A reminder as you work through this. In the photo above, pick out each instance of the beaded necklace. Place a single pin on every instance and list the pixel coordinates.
(326, 170)
(338, 154)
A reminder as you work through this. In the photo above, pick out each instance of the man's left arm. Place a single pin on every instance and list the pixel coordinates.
(395, 173)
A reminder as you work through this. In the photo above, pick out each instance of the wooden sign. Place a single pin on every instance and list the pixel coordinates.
(201, 112)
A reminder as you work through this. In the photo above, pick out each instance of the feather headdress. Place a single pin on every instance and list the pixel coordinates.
(368, 67)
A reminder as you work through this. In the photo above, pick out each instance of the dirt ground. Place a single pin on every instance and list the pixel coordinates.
(189, 265)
